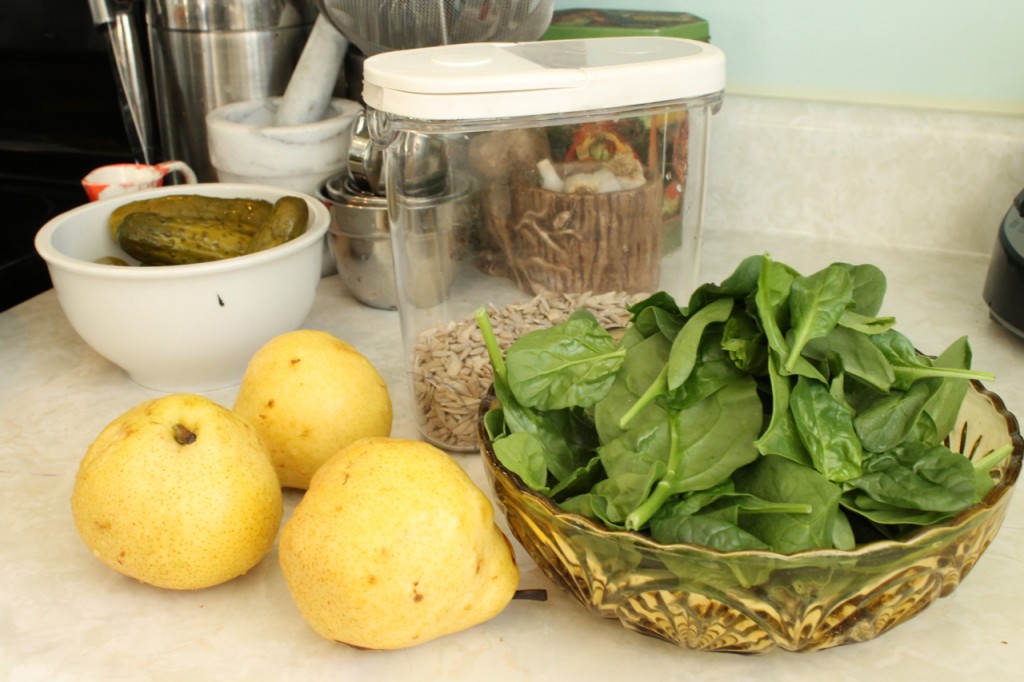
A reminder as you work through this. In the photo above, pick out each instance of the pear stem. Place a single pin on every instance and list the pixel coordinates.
(538, 594)
(183, 434)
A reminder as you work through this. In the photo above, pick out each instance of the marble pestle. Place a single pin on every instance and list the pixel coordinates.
(308, 95)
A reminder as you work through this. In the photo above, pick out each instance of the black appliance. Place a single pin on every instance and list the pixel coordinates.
(60, 117)
(1004, 284)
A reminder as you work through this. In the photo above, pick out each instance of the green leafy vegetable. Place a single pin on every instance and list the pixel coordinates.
(631, 397)
(683, 355)
(775, 411)
(869, 285)
(918, 476)
(569, 365)
(825, 425)
(708, 442)
(816, 303)
(782, 437)
(781, 480)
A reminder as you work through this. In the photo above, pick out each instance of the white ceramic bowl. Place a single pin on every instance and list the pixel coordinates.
(181, 328)
(245, 146)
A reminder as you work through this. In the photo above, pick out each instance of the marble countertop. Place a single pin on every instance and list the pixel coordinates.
(65, 616)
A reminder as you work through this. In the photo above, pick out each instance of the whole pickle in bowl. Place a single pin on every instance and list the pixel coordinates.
(241, 214)
(155, 239)
(286, 222)
(185, 229)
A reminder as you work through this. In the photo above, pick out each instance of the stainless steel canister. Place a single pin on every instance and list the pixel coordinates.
(207, 53)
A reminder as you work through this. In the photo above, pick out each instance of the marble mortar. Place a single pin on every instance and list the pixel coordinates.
(246, 145)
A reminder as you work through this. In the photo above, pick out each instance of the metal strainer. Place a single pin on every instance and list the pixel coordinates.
(376, 26)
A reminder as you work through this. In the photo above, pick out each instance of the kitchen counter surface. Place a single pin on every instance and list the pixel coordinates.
(65, 616)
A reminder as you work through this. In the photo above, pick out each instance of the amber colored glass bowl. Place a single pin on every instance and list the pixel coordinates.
(754, 601)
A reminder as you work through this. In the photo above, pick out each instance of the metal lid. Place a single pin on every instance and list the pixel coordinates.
(229, 15)
(365, 158)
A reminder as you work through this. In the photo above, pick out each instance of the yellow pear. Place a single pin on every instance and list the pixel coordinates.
(393, 545)
(178, 492)
(309, 394)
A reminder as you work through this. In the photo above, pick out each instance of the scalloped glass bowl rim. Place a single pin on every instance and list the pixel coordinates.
(921, 536)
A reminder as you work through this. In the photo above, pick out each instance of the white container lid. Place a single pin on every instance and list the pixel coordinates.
(499, 80)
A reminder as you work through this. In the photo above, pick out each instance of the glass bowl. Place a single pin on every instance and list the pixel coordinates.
(754, 601)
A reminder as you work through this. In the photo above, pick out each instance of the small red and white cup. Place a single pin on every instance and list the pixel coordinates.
(124, 178)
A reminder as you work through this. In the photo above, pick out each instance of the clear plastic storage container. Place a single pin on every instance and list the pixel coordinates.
(534, 179)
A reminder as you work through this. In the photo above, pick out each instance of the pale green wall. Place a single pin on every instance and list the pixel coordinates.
(947, 54)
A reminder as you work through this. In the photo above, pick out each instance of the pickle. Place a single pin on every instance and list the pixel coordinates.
(243, 215)
(110, 260)
(155, 239)
(286, 222)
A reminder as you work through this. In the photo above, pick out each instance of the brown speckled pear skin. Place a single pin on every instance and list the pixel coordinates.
(178, 492)
(393, 545)
(309, 394)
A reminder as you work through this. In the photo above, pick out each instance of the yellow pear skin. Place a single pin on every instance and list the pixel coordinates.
(393, 545)
(309, 394)
(179, 493)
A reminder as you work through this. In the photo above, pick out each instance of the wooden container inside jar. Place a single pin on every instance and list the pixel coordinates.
(572, 242)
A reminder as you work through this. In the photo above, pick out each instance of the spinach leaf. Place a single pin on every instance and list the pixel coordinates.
(826, 429)
(947, 394)
(655, 320)
(865, 324)
(660, 299)
(619, 477)
(550, 428)
(712, 370)
(596, 507)
(523, 454)
(900, 352)
(744, 341)
(781, 437)
(780, 480)
(947, 380)
(890, 419)
(708, 441)
(909, 365)
(555, 430)
(630, 336)
(888, 518)
(772, 303)
(739, 285)
(869, 285)
(843, 535)
(698, 518)
(816, 302)
(855, 355)
(708, 530)
(918, 476)
(772, 299)
(579, 481)
(657, 388)
(644, 362)
(695, 359)
(567, 365)
(983, 481)
(494, 422)
(716, 435)
(672, 523)
(634, 463)
(690, 503)
(683, 355)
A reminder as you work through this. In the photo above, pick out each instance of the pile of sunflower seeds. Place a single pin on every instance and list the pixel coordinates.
(451, 370)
